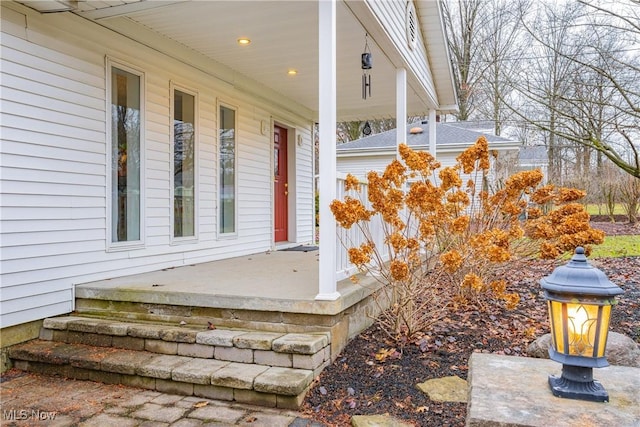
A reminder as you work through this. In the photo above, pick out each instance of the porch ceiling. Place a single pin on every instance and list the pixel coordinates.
(284, 36)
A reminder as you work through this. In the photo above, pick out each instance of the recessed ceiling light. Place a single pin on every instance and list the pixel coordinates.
(292, 72)
(244, 41)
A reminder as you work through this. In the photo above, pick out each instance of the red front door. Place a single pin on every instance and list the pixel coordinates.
(281, 185)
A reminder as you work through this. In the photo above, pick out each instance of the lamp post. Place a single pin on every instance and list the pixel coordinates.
(579, 298)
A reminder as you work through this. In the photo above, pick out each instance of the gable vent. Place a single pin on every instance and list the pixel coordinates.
(411, 25)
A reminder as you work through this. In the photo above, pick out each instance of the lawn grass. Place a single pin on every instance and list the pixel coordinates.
(595, 209)
(617, 246)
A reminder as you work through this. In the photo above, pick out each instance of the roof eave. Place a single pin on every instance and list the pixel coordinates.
(433, 31)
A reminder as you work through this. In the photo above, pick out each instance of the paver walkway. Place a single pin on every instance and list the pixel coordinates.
(39, 400)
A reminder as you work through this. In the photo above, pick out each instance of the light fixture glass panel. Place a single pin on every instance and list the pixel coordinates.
(605, 316)
(557, 334)
(582, 331)
(582, 320)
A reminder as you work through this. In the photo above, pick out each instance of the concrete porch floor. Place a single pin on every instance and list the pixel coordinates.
(284, 281)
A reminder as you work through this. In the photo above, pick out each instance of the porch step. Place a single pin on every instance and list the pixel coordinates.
(260, 368)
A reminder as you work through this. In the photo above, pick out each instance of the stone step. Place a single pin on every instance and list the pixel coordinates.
(273, 386)
(310, 351)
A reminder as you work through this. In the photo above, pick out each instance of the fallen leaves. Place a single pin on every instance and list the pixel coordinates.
(383, 354)
(378, 372)
(405, 403)
(374, 376)
(351, 403)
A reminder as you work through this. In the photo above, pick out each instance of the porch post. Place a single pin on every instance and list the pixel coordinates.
(432, 132)
(328, 289)
(401, 108)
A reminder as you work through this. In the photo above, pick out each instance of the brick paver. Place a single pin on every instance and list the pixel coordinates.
(85, 403)
(155, 412)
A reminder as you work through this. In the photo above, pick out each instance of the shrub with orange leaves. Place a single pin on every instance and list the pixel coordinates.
(441, 230)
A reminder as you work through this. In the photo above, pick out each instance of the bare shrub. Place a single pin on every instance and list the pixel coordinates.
(630, 197)
(440, 230)
(610, 196)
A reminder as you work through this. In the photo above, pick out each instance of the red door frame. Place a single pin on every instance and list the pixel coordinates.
(280, 185)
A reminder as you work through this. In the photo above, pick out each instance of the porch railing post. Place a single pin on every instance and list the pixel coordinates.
(432, 132)
(328, 289)
(401, 108)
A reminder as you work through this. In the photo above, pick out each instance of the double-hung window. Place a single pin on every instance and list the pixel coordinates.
(126, 155)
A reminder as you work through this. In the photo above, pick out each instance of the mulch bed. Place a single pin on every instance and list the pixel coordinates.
(357, 383)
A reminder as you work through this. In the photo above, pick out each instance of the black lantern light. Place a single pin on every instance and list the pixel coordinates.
(367, 64)
(579, 298)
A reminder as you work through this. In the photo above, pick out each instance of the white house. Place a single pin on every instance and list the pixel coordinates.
(143, 136)
(375, 152)
(534, 157)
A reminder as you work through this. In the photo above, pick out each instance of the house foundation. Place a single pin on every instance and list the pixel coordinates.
(14, 335)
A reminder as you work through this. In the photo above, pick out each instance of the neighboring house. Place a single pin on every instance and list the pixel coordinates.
(533, 157)
(142, 136)
(375, 152)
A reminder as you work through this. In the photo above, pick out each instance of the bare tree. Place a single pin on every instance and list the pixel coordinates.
(501, 53)
(546, 78)
(350, 131)
(590, 98)
(462, 22)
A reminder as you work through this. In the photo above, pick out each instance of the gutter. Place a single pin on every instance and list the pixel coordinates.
(444, 148)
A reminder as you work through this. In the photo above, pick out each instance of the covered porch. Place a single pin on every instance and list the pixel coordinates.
(305, 57)
(290, 65)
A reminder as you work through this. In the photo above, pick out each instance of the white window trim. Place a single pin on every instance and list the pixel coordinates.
(112, 246)
(219, 233)
(196, 175)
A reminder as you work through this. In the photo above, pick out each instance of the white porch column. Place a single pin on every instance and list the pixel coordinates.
(328, 289)
(432, 132)
(401, 108)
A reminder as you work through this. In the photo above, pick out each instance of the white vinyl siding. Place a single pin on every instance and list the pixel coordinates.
(361, 165)
(54, 202)
(304, 185)
(53, 173)
(392, 16)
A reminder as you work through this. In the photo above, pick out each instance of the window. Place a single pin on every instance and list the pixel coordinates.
(183, 164)
(227, 143)
(126, 155)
